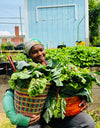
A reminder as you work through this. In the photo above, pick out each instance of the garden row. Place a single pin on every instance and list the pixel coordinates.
(79, 56)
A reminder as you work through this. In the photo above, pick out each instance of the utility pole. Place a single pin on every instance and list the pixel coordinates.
(21, 23)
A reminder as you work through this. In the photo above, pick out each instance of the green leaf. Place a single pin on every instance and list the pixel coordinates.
(38, 74)
(37, 86)
(63, 107)
(48, 115)
(12, 84)
(58, 82)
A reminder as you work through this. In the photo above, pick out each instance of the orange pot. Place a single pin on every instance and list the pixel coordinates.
(72, 106)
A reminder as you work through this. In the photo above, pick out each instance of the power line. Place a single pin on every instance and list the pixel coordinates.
(10, 18)
(9, 23)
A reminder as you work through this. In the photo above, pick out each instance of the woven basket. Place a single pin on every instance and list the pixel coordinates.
(72, 106)
(30, 105)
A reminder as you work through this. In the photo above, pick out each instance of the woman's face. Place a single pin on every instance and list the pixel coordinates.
(37, 53)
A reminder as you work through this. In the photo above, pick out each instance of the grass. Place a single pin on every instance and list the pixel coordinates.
(5, 123)
(96, 116)
(97, 125)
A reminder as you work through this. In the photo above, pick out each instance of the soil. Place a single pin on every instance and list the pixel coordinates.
(3, 86)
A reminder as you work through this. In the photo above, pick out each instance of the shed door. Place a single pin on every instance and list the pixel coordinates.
(57, 23)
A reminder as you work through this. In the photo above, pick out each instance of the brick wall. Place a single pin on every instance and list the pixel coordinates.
(15, 39)
(16, 33)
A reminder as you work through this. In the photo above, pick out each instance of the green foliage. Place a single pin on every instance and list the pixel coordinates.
(21, 57)
(55, 108)
(34, 76)
(96, 40)
(94, 20)
(80, 56)
(3, 45)
(64, 72)
(9, 44)
(96, 116)
(3, 57)
(17, 57)
(5, 122)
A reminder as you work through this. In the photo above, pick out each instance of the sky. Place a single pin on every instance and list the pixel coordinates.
(10, 13)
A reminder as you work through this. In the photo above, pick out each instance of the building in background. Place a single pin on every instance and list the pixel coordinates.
(57, 21)
(13, 39)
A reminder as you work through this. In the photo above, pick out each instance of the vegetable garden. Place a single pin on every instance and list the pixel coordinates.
(80, 56)
(68, 69)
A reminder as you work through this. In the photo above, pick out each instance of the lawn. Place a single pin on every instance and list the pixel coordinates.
(4, 122)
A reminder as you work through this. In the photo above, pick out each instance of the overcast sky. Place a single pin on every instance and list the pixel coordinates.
(9, 11)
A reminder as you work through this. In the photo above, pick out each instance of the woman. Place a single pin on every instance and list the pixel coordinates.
(35, 50)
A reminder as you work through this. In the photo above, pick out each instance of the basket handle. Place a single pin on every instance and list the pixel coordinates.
(11, 62)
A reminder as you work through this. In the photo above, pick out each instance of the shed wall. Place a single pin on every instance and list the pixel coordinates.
(56, 21)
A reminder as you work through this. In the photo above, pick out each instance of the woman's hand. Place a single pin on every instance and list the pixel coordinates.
(33, 118)
(84, 105)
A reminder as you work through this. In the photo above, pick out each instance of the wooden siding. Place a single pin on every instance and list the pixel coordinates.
(56, 21)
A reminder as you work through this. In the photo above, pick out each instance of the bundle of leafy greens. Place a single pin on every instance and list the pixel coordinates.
(67, 81)
(32, 76)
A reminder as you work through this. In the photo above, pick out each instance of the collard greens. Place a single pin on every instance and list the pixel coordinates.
(70, 79)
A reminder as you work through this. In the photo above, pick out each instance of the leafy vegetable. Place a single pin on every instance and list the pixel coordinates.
(70, 79)
(32, 76)
(56, 109)
(37, 86)
(80, 56)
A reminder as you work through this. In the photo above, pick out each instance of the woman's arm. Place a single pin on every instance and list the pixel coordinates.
(8, 104)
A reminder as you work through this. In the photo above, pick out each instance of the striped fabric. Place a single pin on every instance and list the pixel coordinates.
(32, 105)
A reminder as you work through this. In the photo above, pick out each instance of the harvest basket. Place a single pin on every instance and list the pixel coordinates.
(30, 105)
(72, 106)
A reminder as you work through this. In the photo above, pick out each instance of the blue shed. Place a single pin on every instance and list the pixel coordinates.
(56, 21)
